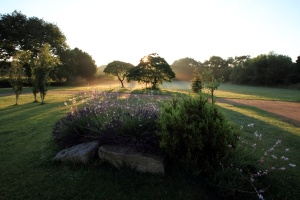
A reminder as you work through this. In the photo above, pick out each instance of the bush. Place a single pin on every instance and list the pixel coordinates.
(111, 120)
(197, 83)
(74, 129)
(195, 134)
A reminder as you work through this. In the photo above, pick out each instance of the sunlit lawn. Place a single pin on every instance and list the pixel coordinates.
(26, 150)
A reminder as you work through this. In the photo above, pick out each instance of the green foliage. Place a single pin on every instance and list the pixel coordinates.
(152, 70)
(16, 72)
(264, 70)
(184, 68)
(194, 133)
(42, 67)
(18, 32)
(22, 33)
(220, 67)
(74, 63)
(197, 83)
(119, 69)
(210, 82)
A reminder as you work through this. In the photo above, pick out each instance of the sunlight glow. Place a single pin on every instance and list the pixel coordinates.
(145, 59)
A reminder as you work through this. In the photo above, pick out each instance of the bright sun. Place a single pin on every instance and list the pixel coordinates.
(145, 59)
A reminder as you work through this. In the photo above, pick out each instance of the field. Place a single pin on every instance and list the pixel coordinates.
(26, 150)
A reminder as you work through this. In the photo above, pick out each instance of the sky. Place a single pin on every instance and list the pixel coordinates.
(127, 30)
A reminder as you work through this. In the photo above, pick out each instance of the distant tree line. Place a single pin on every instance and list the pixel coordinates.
(264, 70)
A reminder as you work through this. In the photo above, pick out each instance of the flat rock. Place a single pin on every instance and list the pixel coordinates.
(81, 153)
(119, 156)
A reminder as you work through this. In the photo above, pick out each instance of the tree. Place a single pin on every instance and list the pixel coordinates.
(295, 76)
(219, 67)
(74, 63)
(197, 82)
(42, 66)
(210, 82)
(184, 68)
(153, 70)
(279, 69)
(17, 32)
(85, 64)
(119, 69)
(16, 72)
(239, 73)
(269, 69)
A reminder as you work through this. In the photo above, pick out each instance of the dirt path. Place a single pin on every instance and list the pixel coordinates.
(287, 111)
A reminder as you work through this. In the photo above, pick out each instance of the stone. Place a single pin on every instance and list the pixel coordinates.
(119, 156)
(81, 153)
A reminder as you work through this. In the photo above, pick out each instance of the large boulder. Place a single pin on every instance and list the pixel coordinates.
(119, 156)
(81, 153)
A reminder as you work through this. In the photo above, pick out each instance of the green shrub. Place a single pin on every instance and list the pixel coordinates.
(194, 133)
(197, 83)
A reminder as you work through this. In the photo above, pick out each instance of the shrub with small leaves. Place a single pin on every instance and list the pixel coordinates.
(194, 133)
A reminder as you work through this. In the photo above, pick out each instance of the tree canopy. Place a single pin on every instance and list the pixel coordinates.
(152, 70)
(16, 72)
(219, 66)
(18, 32)
(74, 63)
(265, 69)
(210, 82)
(184, 68)
(43, 64)
(119, 69)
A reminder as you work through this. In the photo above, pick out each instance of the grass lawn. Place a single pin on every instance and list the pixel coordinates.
(26, 150)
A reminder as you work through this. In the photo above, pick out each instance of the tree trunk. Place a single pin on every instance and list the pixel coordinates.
(42, 98)
(121, 80)
(34, 94)
(212, 97)
(17, 97)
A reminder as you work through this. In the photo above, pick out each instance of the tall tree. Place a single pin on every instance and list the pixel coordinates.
(296, 74)
(85, 64)
(269, 69)
(184, 68)
(239, 65)
(42, 66)
(18, 32)
(119, 69)
(16, 73)
(74, 63)
(153, 70)
(219, 67)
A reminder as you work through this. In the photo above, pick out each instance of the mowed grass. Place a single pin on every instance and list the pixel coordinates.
(227, 90)
(28, 172)
(27, 149)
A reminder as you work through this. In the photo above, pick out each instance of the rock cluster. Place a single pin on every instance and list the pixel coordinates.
(116, 155)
